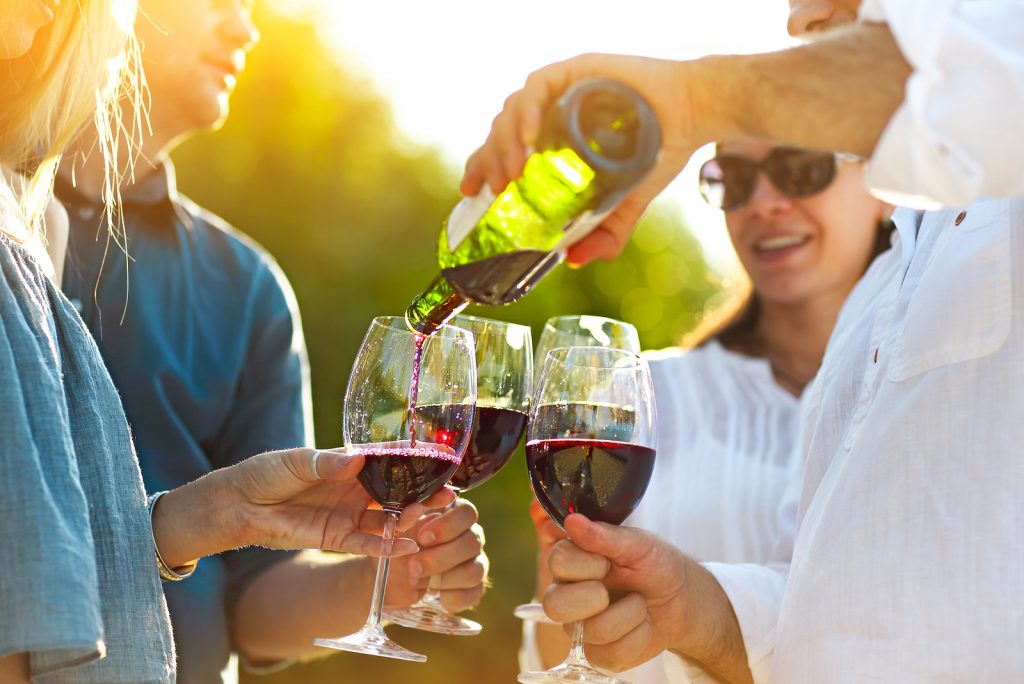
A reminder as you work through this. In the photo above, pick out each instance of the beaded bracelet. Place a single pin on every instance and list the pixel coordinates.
(167, 573)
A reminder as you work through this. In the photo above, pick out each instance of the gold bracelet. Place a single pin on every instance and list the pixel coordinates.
(167, 573)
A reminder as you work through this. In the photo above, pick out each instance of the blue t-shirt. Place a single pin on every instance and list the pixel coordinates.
(200, 331)
(79, 589)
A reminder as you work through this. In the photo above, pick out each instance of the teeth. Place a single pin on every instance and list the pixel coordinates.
(780, 242)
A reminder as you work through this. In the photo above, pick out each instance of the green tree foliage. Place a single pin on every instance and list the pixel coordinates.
(311, 166)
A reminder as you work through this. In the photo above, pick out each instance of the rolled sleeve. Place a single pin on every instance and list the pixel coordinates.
(955, 137)
(755, 592)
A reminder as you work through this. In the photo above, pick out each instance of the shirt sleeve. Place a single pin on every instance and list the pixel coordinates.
(49, 589)
(755, 592)
(955, 137)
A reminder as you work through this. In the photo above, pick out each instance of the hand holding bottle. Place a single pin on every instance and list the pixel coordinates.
(667, 86)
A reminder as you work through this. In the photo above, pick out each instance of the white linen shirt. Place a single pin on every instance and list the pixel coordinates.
(959, 134)
(909, 554)
(727, 453)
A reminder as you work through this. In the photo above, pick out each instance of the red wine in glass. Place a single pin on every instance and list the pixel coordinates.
(496, 432)
(492, 441)
(602, 479)
(397, 474)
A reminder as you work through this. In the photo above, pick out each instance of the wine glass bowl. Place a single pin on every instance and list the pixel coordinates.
(409, 408)
(585, 331)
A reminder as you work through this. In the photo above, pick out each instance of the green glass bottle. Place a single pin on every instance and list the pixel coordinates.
(597, 142)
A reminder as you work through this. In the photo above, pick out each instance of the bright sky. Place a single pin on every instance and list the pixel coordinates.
(447, 65)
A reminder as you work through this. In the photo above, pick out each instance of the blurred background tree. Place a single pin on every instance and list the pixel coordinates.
(311, 165)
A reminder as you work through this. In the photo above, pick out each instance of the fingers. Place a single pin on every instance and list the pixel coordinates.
(514, 131)
(620, 618)
(569, 563)
(440, 500)
(333, 465)
(628, 651)
(441, 558)
(446, 527)
(458, 600)
(467, 575)
(366, 544)
(571, 602)
(620, 545)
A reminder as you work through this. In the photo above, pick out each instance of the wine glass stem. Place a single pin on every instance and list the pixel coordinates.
(375, 619)
(576, 655)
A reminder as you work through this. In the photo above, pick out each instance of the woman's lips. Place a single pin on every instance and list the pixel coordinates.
(779, 247)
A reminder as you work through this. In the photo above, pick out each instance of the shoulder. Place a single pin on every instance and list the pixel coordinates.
(234, 249)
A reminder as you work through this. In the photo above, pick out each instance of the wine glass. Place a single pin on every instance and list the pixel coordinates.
(409, 411)
(590, 447)
(577, 331)
(585, 331)
(504, 380)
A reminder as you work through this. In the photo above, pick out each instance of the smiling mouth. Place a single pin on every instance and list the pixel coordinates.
(782, 242)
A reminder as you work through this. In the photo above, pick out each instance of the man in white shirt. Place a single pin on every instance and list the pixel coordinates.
(908, 559)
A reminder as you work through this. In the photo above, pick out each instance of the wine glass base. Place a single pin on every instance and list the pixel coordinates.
(533, 612)
(430, 619)
(568, 673)
(371, 642)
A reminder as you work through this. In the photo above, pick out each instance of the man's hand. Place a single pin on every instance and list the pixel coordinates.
(638, 596)
(452, 549)
(664, 84)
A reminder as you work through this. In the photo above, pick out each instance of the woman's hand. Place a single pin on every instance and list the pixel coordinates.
(276, 500)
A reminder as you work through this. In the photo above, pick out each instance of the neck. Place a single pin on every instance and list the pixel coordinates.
(793, 337)
(84, 161)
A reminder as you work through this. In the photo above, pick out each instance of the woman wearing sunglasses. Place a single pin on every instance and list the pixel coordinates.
(805, 229)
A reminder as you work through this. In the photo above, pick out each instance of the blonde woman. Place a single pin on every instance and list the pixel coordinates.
(82, 547)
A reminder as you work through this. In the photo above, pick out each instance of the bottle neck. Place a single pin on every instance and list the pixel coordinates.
(434, 307)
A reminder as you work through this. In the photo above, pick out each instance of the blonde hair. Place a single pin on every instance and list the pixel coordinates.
(80, 67)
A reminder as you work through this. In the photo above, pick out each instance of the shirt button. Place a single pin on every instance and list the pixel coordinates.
(960, 218)
(86, 213)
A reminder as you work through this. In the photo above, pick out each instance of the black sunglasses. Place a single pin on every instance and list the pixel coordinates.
(727, 181)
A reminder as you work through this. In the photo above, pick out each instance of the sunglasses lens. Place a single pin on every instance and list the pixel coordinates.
(799, 173)
(726, 182)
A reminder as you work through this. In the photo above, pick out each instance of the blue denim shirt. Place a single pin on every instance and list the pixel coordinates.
(78, 577)
(201, 334)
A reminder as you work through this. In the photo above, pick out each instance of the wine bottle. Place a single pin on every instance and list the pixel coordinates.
(598, 140)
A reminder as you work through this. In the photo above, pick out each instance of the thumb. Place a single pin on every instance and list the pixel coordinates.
(623, 546)
(334, 465)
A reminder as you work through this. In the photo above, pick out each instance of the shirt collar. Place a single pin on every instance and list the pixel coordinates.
(908, 223)
(156, 195)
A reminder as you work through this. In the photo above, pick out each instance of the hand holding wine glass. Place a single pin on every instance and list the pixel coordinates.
(451, 548)
(409, 412)
(590, 449)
